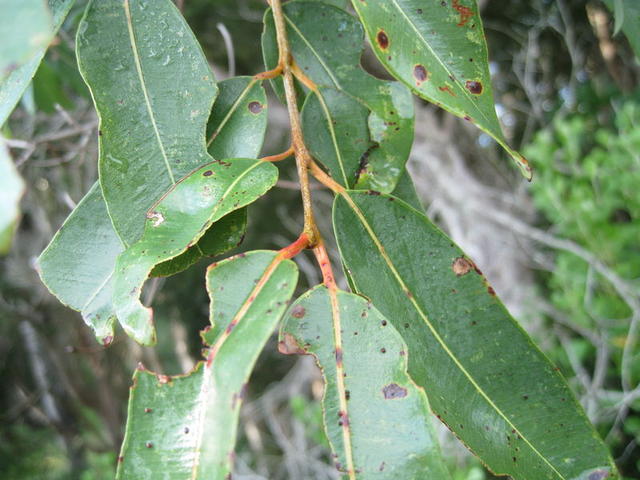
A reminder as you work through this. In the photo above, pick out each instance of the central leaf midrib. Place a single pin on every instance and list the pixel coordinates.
(433, 330)
(143, 85)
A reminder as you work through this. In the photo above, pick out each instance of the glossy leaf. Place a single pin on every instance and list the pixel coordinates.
(238, 120)
(77, 266)
(185, 427)
(484, 377)
(153, 91)
(224, 235)
(359, 127)
(11, 190)
(438, 49)
(14, 83)
(176, 223)
(376, 418)
(60, 274)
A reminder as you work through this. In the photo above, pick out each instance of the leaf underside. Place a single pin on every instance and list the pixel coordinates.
(438, 49)
(376, 418)
(185, 427)
(359, 127)
(484, 377)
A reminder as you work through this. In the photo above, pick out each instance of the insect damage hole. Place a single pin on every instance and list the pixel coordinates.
(157, 218)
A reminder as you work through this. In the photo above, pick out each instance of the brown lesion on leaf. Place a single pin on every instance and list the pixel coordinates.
(382, 39)
(462, 265)
(465, 13)
(421, 74)
(474, 87)
(393, 390)
(290, 346)
(298, 311)
(339, 355)
(255, 107)
(447, 89)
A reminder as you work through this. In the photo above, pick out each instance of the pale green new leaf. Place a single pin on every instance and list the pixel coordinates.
(358, 126)
(438, 49)
(484, 376)
(11, 190)
(153, 91)
(177, 222)
(377, 420)
(185, 427)
(27, 56)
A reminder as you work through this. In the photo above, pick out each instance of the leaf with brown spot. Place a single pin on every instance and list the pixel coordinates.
(383, 420)
(442, 41)
(358, 126)
(189, 209)
(191, 421)
(492, 364)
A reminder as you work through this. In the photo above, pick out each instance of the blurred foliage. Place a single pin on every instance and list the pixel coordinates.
(588, 174)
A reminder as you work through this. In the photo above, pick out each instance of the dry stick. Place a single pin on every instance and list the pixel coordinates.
(303, 158)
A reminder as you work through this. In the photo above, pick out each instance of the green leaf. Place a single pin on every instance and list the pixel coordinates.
(11, 191)
(71, 253)
(438, 49)
(406, 190)
(627, 18)
(176, 223)
(359, 127)
(48, 91)
(484, 376)
(376, 418)
(29, 31)
(77, 266)
(224, 235)
(185, 427)
(13, 85)
(238, 120)
(153, 91)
